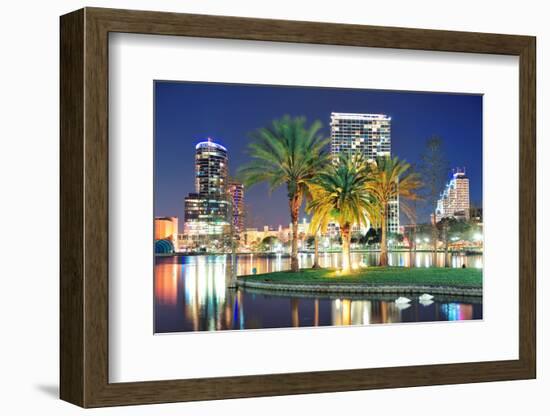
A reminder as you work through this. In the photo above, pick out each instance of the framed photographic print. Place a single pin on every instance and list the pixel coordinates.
(255, 207)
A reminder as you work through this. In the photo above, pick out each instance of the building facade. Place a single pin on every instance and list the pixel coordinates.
(368, 135)
(455, 198)
(207, 209)
(236, 197)
(166, 234)
(211, 162)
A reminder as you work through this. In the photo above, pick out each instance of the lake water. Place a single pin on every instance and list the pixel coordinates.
(191, 294)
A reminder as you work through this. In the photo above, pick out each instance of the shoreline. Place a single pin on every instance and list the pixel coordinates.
(269, 253)
(396, 280)
(386, 296)
(351, 288)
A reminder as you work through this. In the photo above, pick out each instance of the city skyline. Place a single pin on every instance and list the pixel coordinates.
(187, 113)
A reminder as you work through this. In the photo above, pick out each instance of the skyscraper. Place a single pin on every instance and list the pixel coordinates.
(455, 198)
(236, 195)
(368, 135)
(207, 209)
(210, 168)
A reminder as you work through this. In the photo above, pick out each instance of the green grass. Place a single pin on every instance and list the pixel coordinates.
(430, 276)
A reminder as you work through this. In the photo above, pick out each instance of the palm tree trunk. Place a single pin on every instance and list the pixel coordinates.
(383, 239)
(316, 251)
(411, 239)
(446, 235)
(346, 252)
(294, 212)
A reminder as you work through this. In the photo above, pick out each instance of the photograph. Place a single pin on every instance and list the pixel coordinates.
(282, 206)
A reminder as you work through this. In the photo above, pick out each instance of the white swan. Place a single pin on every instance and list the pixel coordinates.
(425, 297)
(401, 300)
(402, 306)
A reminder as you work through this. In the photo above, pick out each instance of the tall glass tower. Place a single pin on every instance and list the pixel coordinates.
(210, 168)
(366, 134)
(207, 209)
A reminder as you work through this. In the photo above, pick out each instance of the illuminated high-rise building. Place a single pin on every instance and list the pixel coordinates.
(455, 198)
(210, 168)
(207, 209)
(368, 135)
(236, 195)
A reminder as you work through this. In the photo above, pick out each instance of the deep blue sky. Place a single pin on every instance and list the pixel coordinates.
(186, 113)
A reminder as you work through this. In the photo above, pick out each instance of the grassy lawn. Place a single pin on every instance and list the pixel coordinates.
(432, 276)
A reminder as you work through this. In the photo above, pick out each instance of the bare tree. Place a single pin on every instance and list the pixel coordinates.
(434, 168)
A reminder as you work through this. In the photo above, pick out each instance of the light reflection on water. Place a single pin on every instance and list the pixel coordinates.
(191, 294)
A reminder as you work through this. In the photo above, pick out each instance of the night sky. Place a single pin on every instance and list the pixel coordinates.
(186, 113)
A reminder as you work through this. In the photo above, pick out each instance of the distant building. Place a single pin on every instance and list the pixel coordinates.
(333, 229)
(455, 198)
(476, 214)
(236, 195)
(303, 228)
(166, 234)
(368, 135)
(252, 237)
(207, 209)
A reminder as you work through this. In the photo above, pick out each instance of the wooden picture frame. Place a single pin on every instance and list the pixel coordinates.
(84, 207)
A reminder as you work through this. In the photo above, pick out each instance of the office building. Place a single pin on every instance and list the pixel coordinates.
(368, 135)
(236, 197)
(207, 209)
(455, 198)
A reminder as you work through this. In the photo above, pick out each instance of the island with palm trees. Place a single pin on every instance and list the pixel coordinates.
(348, 189)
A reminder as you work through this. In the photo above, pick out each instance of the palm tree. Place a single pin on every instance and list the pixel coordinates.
(339, 193)
(319, 222)
(391, 178)
(287, 153)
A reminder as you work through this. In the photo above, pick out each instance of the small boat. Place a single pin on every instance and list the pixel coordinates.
(426, 302)
(402, 300)
(425, 297)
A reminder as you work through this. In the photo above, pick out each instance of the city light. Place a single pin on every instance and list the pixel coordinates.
(223, 245)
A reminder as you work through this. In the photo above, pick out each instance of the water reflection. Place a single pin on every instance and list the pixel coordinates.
(278, 262)
(191, 294)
